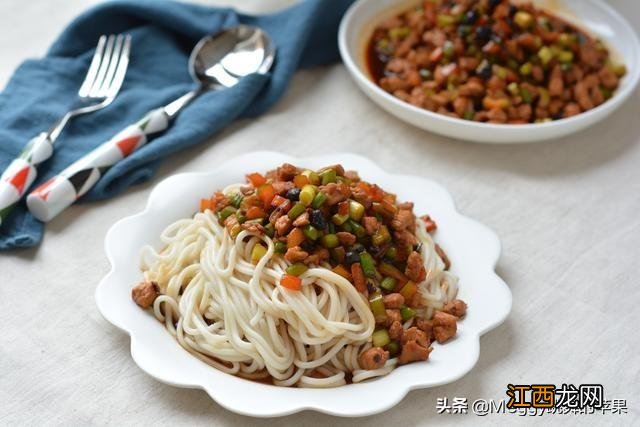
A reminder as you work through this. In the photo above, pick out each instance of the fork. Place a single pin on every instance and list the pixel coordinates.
(100, 86)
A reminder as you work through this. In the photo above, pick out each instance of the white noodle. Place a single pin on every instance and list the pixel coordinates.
(236, 317)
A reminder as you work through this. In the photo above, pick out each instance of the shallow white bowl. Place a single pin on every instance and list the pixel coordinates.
(596, 16)
(472, 247)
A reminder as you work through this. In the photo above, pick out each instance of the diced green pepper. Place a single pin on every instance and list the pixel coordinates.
(269, 230)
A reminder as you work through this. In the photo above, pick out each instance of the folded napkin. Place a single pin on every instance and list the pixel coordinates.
(163, 34)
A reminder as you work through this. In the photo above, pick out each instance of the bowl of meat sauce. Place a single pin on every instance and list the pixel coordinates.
(494, 71)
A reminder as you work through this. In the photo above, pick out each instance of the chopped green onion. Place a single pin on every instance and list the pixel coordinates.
(236, 199)
(468, 115)
(513, 88)
(526, 95)
(380, 338)
(330, 241)
(393, 348)
(526, 68)
(407, 313)
(391, 252)
(399, 33)
(545, 98)
(269, 230)
(357, 229)
(328, 176)
(338, 219)
(367, 264)
(311, 232)
(425, 74)
(356, 210)
(381, 237)
(388, 283)
(280, 247)
(319, 200)
(523, 19)
(296, 269)
(376, 304)
(545, 54)
(566, 56)
(226, 212)
(314, 178)
(307, 194)
(257, 253)
(297, 210)
(448, 49)
(443, 20)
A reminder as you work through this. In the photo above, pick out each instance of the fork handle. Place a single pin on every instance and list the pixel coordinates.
(55, 195)
(21, 172)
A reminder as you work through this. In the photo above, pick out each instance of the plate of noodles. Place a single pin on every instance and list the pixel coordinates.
(280, 284)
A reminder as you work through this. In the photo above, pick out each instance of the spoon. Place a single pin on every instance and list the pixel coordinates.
(217, 62)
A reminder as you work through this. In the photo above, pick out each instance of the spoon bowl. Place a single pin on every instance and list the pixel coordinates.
(222, 59)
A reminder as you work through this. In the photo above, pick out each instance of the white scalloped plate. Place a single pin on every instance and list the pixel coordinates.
(473, 248)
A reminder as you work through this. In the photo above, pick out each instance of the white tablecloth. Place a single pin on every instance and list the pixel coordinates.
(568, 213)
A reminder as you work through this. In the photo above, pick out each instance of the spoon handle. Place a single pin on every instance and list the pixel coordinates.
(55, 195)
(22, 171)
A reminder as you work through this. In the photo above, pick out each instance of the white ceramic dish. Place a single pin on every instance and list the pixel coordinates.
(596, 16)
(472, 247)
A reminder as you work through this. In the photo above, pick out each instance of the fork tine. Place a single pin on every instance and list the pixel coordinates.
(103, 66)
(113, 64)
(93, 68)
(123, 63)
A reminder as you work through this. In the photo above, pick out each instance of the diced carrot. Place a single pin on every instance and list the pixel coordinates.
(255, 212)
(359, 281)
(343, 208)
(291, 282)
(295, 238)
(339, 269)
(389, 270)
(300, 181)
(377, 194)
(266, 194)
(256, 179)
(205, 204)
(409, 290)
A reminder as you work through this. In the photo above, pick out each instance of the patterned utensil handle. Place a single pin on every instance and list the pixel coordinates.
(55, 195)
(21, 173)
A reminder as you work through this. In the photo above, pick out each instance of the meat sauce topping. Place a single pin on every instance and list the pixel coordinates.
(330, 217)
(491, 61)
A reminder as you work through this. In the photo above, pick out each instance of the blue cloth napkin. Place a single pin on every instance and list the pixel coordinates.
(163, 34)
